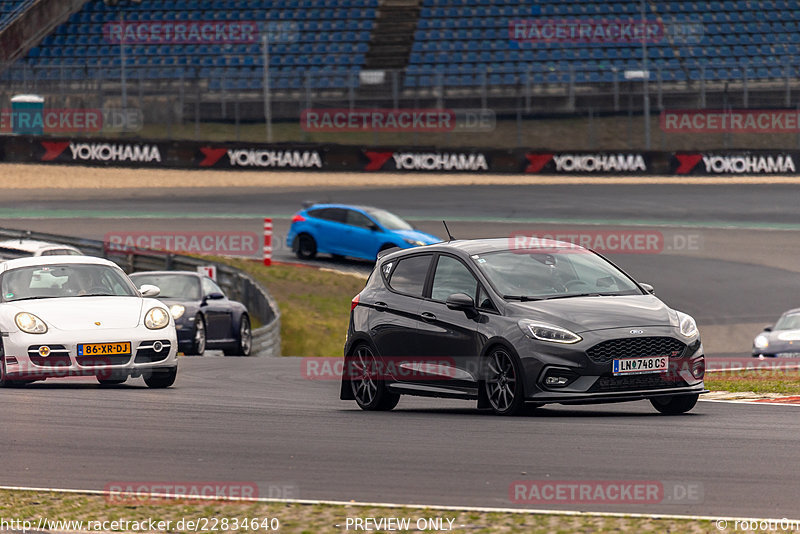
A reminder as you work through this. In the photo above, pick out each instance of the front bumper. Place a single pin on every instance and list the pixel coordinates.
(149, 350)
(591, 380)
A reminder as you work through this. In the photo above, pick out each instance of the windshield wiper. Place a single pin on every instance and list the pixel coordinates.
(521, 298)
(96, 295)
(34, 298)
(580, 295)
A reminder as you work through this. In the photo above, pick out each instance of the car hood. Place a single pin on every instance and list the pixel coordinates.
(583, 314)
(790, 337)
(416, 235)
(79, 313)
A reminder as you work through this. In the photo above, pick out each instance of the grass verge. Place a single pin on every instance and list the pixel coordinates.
(783, 381)
(314, 304)
(300, 518)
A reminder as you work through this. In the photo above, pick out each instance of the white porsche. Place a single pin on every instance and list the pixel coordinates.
(82, 316)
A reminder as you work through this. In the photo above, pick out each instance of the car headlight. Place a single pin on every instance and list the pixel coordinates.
(29, 323)
(156, 318)
(548, 332)
(177, 311)
(761, 342)
(688, 326)
(414, 242)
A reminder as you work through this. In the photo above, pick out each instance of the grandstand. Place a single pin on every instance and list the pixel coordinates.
(405, 53)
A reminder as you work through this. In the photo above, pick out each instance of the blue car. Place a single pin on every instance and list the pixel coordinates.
(355, 231)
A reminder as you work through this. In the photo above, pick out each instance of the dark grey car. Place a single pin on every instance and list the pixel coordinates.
(548, 323)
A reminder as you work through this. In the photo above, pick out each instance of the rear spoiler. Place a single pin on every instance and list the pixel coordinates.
(384, 252)
(308, 203)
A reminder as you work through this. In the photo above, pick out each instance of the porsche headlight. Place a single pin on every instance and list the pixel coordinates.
(29, 323)
(414, 242)
(688, 326)
(156, 318)
(548, 332)
(177, 311)
(761, 342)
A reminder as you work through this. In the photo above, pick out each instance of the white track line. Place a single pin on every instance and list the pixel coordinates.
(482, 509)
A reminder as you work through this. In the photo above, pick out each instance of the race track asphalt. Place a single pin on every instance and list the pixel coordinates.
(259, 420)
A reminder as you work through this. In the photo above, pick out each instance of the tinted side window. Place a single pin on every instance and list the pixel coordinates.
(452, 276)
(210, 287)
(329, 214)
(409, 275)
(356, 218)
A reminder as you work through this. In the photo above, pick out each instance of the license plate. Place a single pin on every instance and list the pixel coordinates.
(637, 366)
(104, 349)
(788, 355)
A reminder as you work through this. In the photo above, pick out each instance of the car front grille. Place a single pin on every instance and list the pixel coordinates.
(58, 356)
(102, 361)
(636, 382)
(636, 347)
(146, 353)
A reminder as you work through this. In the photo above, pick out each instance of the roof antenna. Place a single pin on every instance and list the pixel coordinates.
(449, 235)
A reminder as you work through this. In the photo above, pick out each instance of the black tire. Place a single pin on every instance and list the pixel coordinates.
(160, 378)
(305, 247)
(370, 392)
(244, 339)
(674, 405)
(199, 339)
(503, 382)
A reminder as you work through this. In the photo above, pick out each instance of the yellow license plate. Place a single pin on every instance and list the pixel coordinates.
(104, 349)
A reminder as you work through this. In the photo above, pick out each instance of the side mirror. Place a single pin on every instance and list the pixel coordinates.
(462, 302)
(148, 290)
(374, 227)
(215, 296)
(650, 289)
(768, 328)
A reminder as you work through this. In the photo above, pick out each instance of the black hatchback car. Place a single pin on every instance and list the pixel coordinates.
(204, 317)
(510, 327)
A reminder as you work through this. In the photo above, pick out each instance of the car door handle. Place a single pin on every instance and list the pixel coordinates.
(428, 316)
(381, 306)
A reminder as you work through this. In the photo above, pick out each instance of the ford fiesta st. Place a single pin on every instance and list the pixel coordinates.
(549, 323)
(82, 316)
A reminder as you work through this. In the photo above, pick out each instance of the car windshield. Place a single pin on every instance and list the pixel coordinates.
(788, 322)
(388, 220)
(177, 286)
(553, 273)
(67, 280)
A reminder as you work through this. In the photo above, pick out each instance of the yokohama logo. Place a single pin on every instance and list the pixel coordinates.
(262, 158)
(599, 162)
(587, 162)
(745, 164)
(102, 152)
(410, 161)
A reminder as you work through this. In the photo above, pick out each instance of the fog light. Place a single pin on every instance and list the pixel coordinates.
(157, 346)
(556, 381)
(699, 368)
(44, 350)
